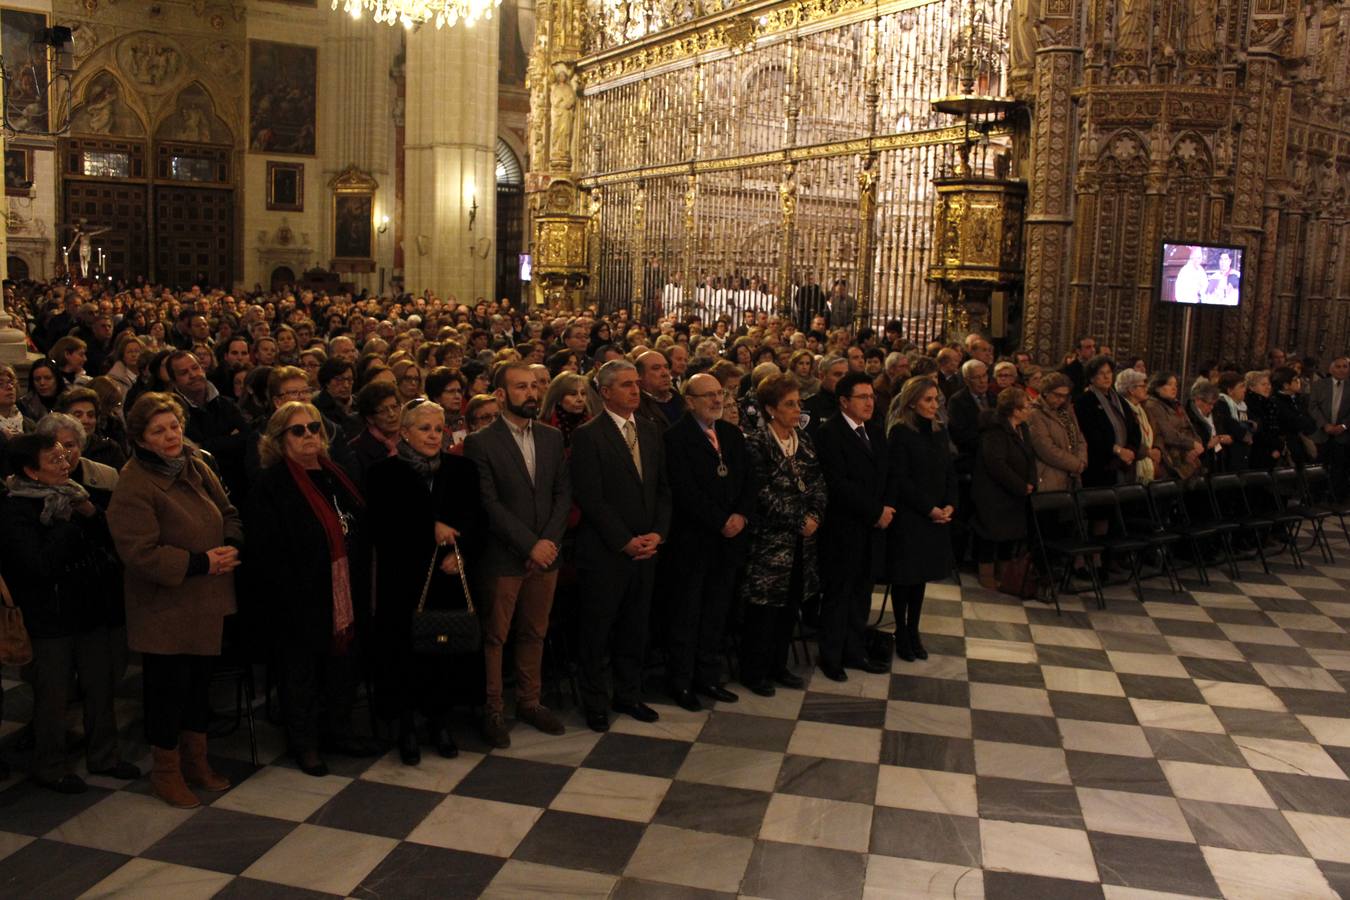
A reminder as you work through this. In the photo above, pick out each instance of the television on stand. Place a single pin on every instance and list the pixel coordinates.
(1192, 273)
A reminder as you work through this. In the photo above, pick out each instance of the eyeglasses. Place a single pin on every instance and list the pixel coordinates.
(705, 395)
(300, 430)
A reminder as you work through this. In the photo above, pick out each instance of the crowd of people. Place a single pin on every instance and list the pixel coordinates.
(294, 479)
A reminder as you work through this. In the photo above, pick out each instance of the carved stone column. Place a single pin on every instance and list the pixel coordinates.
(1050, 201)
(13, 349)
(451, 200)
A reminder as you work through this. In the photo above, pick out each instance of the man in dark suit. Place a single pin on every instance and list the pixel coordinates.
(821, 405)
(1077, 369)
(1329, 405)
(963, 413)
(852, 452)
(949, 372)
(713, 492)
(526, 495)
(619, 480)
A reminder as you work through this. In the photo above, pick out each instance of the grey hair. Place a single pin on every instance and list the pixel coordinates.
(1206, 392)
(830, 360)
(1253, 378)
(609, 372)
(1128, 379)
(53, 423)
(892, 358)
(413, 411)
(969, 366)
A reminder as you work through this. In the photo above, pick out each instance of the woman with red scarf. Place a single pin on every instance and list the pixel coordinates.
(309, 582)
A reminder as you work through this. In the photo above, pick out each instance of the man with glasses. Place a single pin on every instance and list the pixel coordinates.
(713, 492)
(852, 452)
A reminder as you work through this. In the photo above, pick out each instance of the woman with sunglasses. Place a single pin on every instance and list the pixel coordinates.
(307, 577)
(422, 500)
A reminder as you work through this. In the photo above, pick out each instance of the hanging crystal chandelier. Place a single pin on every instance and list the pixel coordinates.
(410, 13)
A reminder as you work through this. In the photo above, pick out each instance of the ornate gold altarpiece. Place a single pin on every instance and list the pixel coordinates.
(792, 140)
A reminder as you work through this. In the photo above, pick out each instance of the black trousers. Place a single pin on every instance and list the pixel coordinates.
(177, 696)
(843, 614)
(91, 657)
(766, 631)
(696, 615)
(318, 690)
(1335, 454)
(615, 609)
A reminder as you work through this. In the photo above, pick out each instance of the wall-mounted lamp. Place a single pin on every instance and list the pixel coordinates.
(473, 210)
(384, 224)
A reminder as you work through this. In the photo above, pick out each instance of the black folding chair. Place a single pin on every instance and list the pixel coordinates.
(1172, 513)
(1320, 496)
(1096, 503)
(1139, 520)
(1230, 503)
(1057, 532)
(1265, 500)
(1288, 485)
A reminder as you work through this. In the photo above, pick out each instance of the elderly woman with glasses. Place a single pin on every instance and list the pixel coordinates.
(308, 578)
(1132, 384)
(422, 501)
(58, 562)
(379, 407)
(1061, 452)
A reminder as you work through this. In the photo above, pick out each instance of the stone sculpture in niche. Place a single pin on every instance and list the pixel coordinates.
(149, 60)
(562, 111)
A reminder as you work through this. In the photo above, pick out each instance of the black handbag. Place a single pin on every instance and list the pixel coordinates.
(443, 631)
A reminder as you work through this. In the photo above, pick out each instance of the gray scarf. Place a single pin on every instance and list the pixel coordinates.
(1109, 401)
(161, 466)
(58, 500)
(425, 466)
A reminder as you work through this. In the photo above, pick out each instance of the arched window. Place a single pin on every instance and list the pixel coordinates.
(508, 167)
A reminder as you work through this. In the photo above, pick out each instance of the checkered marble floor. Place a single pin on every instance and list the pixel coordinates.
(1192, 745)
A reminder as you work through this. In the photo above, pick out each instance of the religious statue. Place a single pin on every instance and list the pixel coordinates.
(1134, 24)
(538, 123)
(79, 241)
(1200, 28)
(562, 114)
(1023, 45)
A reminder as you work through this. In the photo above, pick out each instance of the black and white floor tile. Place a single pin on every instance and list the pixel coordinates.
(1193, 745)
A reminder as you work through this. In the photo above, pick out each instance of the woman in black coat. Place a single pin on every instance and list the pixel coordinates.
(1108, 425)
(421, 500)
(1290, 407)
(921, 487)
(58, 561)
(308, 582)
(1005, 474)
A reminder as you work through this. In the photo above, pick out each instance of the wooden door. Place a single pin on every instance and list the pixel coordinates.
(194, 236)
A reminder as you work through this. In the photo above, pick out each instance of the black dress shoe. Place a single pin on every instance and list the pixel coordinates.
(866, 665)
(686, 699)
(917, 644)
(833, 674)
(788, 680)
(716, 692)
(445, 744)
(903, 648)
(122, 769)
(763, 688)
(640, 711)
(408, 748)
(597, 721)
(310, 763)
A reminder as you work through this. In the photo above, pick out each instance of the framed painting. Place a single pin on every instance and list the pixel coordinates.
(18, 171)
(286, 186)
(282, 98)
(27, 73)
(353, 226)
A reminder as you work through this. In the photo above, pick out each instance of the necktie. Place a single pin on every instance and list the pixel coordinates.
(862, 433)
(712, 436)
(630, 438)
(1337, 392)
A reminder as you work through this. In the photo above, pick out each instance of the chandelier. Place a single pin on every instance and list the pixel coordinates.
(410, 13)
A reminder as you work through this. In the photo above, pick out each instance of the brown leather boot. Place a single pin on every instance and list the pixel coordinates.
(986, 575)
(166, 780)
(196, 769)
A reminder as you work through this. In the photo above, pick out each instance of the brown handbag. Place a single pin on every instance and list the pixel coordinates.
(16, 647)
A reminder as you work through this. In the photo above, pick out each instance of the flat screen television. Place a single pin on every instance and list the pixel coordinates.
(526, 267)
(1201, 274)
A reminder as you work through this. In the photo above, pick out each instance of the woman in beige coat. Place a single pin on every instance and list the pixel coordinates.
(1061, 452)
(1173, 432)
(179, 538)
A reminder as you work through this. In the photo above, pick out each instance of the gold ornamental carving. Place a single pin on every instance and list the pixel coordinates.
(977, 232)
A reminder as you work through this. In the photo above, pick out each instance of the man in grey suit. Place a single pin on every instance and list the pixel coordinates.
(1329, 405)
(619, 476)
(526, 496)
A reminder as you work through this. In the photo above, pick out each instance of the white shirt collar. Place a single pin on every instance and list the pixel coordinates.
(619, 420)
(852, 425)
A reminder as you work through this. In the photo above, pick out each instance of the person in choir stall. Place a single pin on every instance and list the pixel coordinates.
(713, 498)
(526, 497)
(852, 451)
(619, 480)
